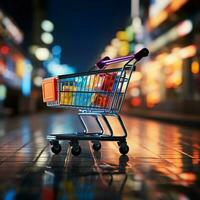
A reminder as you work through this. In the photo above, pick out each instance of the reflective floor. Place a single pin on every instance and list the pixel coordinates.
(163, 162)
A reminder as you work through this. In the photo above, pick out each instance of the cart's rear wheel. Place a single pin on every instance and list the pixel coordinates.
(56, 149)
(76, 150)
(124, 148)
(96, 146)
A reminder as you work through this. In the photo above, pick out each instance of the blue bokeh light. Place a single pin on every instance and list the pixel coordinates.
(56, 50)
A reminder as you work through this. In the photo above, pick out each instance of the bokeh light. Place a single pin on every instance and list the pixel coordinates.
(42, 54)
(47, 25)
(47, 38)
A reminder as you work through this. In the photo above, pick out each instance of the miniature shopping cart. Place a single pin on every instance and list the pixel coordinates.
(98, 94)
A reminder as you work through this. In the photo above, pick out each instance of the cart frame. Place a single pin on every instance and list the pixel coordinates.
(101, 113)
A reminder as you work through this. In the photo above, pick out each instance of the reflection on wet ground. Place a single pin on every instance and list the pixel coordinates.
(163, 162)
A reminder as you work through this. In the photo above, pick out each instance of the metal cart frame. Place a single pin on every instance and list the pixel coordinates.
(100, 113)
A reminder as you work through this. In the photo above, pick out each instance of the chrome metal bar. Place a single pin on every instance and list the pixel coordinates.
(121, 123)
(95, 116)
(129, 77)
(84, 124)
(99, 123)
(108, 125)
(115, 102)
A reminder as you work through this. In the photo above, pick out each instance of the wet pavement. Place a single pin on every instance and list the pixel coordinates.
(163, 162)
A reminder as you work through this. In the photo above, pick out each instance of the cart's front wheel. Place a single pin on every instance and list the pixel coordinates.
(96, 146)
(76, 150)
(56, 149)
(124, 148)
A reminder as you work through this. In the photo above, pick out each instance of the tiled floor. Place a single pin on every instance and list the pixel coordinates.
(163, 162)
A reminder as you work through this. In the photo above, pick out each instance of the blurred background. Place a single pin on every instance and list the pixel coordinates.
(42, 38)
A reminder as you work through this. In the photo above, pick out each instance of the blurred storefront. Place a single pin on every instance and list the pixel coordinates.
(15, 69)
(170, 79)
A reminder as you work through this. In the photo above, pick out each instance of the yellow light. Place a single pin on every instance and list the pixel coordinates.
(161, 57)
(190, 177)
(175, 49)
(188, 51)
(111, 51)
(170, 59)
(121, 35)
(33, 48)
(161, 16)
(136, 76)
(173, 81)
(158, 19)
(152, 99)
(20, 67)
(104, 54)
(178, 81)
(115, 43)
(42, 54)
(134, 92)
(175, 5)
(124, 48)
(37, 81)
(195, 67)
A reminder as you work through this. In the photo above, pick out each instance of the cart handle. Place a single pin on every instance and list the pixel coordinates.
(138, 56)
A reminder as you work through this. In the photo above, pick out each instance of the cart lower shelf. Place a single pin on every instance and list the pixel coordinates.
(83, 136)
(95, 138)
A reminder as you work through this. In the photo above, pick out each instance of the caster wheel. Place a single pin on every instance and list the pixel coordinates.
(96, 146)
(76, 150)
(119, 143)
(123, 149)
(56, 149)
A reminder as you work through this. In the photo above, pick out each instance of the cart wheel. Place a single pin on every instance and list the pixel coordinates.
(96, 146)
(119, 143)
(56, 149)
(76, 150)
(123, 149)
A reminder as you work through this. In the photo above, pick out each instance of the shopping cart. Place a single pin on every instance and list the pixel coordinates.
(98, 94)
